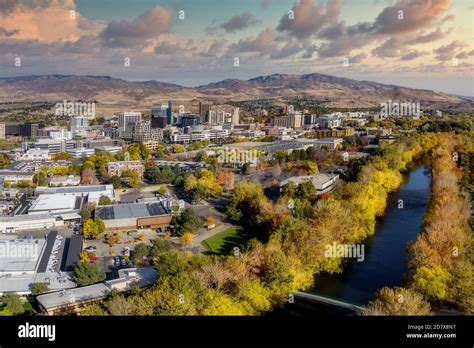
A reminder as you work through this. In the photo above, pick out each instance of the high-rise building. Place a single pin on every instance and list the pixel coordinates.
(125, 119)
(161, 115)
(2, 131)
(236, 116)
(78, 123)
(189, 119)
(12, 129)
(204, 110)
(29, 130)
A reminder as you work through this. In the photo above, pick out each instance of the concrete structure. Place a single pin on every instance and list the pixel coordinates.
(25, 261)
(330, 144)
(32, 155)
(127, 119)
(82, 152)
(65, 180)
(56, 204)
(91, 192)
(2, 131)
(236, 116)
(291, 121)
(13, 224)
(322, 182)
(117, 168)
(123, 217)
(68, 301)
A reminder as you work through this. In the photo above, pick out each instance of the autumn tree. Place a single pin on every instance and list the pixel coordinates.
(397, 301)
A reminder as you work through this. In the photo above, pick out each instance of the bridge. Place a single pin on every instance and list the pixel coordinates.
(328, 301)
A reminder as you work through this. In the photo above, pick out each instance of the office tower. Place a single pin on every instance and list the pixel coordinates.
(204, 109)
(236, 116)
(161, 115)
(189, 119)
(78, 123)
(128, 118)
(29, 130)
(169, 113)
(2, 131)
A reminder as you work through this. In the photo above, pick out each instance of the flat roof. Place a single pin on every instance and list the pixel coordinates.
(130, 210)
(22, 283)
(20, 255)
(24, 217)
(73, 189)
(144, 276)
(74, 248)
(48, 202)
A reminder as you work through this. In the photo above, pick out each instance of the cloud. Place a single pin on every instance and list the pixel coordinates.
(167, 48)
(45, 21)
(309, 18)
(433, 36)
(389, 49)
(217, 47)
(409, 15)
(290, 49)
(239, 22)
(262, 43)
(8, 33)
(358, 58)
(151, 23)
(447, 52)
(413, 55)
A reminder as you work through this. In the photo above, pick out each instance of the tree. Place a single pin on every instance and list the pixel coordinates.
(140, 251)
(133, 178)
(13, 303)
(39, 288)
(186, 239)
(187, 221)
(116, 181)
(87, 176)
(119, 305)
(159, 246)
(397, 301)
(62, 156)
(432, 282)
(92, 229)
(87, 274)
(105, 200)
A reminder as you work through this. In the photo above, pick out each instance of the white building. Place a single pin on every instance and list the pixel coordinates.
(62, 134)
(92, 192)
(236, 116)
(65, 180)
(126, 118)
(32, 155)
(322, 182)
(13, 224)
(78, 124)
(2, 130)
(81, 152)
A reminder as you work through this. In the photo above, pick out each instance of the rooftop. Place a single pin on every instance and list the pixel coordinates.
(131, 210)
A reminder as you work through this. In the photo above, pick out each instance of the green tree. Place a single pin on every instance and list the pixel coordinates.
(187, 221)
(105, 200)
(87, 274)
(39, 288)
(13, 303)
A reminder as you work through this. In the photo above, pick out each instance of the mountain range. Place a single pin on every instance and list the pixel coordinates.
(117, 93)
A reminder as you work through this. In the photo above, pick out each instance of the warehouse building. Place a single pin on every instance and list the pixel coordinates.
(122, 217)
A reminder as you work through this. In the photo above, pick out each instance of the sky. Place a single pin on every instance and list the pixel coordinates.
(425, 44)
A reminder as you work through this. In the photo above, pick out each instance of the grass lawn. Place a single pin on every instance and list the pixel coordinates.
(223, 243)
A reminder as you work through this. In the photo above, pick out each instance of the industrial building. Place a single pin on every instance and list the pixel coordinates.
(123, 217)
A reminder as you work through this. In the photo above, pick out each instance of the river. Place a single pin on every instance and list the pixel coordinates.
(385, 261)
